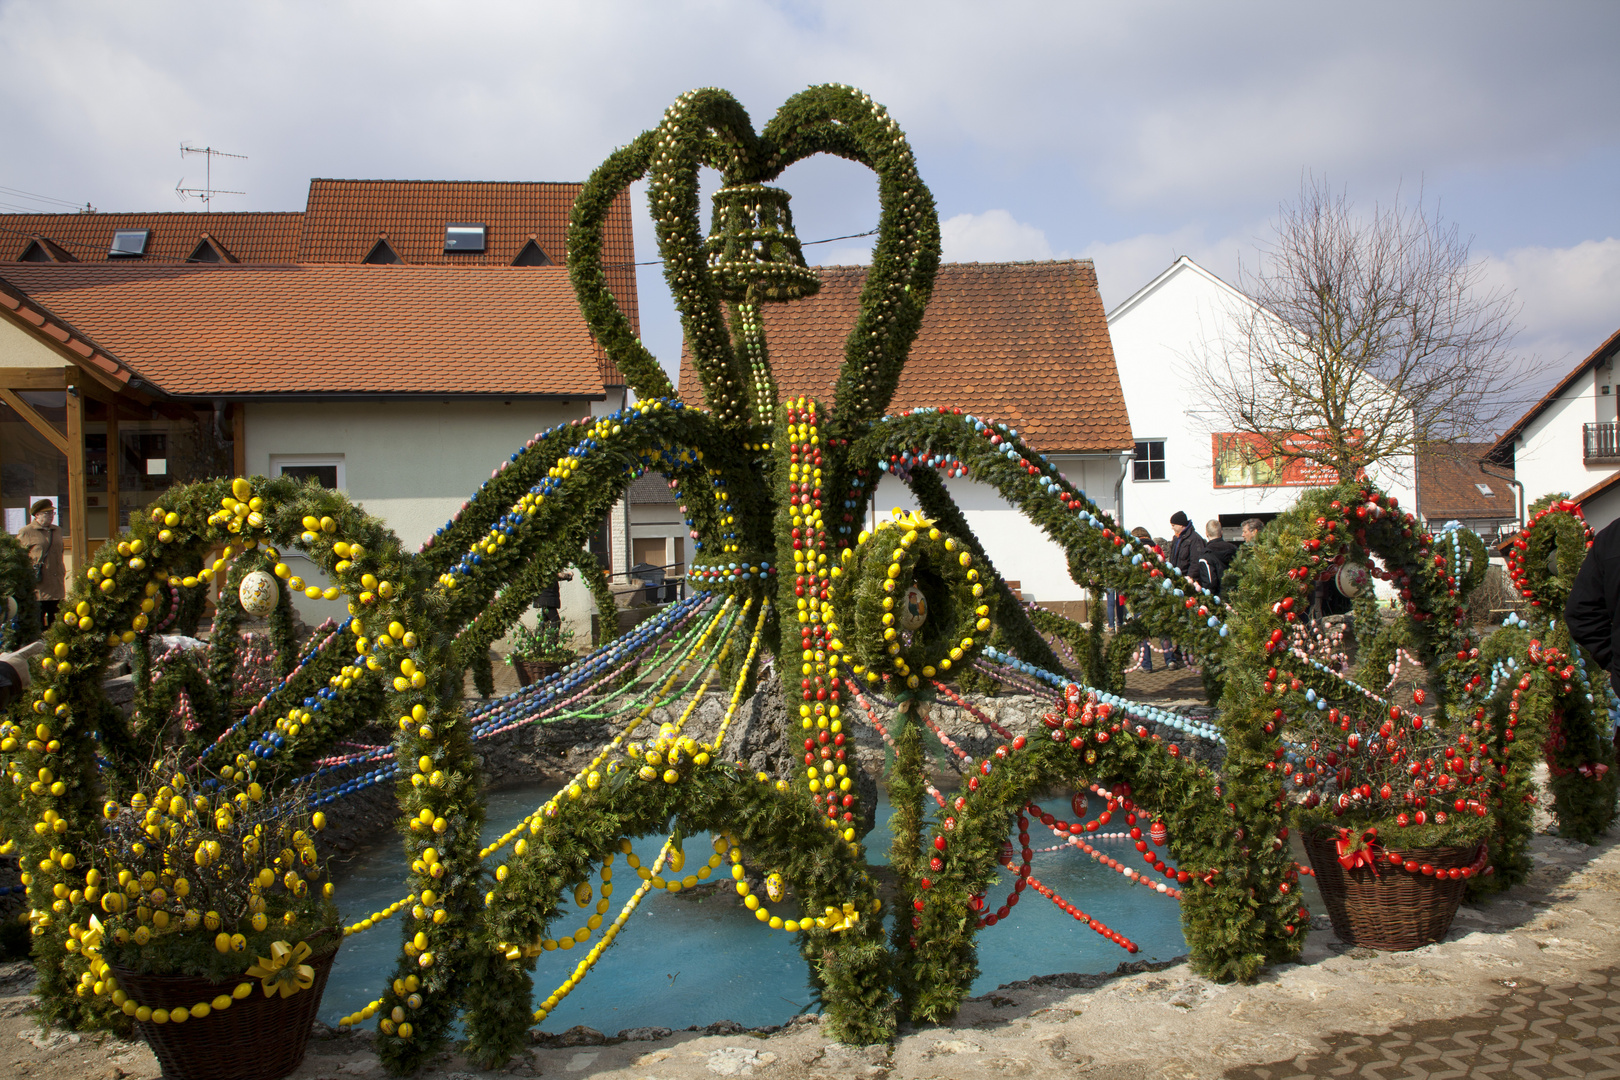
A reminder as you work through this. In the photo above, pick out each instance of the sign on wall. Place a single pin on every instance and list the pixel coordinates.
(1243, 459)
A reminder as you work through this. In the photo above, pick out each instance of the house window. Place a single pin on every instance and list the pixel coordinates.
(129, 243)
(1149, 464)
(463, 236)
(326, 470)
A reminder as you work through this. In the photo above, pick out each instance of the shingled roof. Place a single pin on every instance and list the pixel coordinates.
(248, 237)
(1448, 485)
(301, 330)
(342, 222)
(1023, 343)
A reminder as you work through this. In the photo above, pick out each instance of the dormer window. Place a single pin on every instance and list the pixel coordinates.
(461, 238)
(532, 255)
(129, 243)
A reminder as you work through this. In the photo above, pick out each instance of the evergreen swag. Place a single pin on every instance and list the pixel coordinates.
(773, 495)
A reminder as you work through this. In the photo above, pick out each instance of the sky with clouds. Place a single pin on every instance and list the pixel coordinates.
(1125, 133)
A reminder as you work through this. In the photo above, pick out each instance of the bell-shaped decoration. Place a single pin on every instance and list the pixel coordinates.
(753, 253)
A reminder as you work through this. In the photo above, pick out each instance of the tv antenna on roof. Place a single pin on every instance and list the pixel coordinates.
(207, 192)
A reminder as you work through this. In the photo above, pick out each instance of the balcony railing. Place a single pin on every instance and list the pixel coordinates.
(1602, 442)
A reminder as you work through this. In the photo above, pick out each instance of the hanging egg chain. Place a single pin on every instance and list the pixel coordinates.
(742, 678)
(1071, 834)
(668, 630)
(1133, 709)
(1126, 871)
(719, 660)
(888, 740)
(98, 981)
(582, 896)
(379, 916)
(584, 967)
(1005, 859)
(835, 920)
(589, 775)
(677, 860)
(972, 709)
(1096, 924)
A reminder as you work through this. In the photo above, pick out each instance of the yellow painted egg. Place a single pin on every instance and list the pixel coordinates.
(773, 886)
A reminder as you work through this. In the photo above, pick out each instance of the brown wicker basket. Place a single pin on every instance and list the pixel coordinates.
(530, 672)
(257, 1038)
(1391, 910)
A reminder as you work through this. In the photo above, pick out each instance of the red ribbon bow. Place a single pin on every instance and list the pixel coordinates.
(1357, 851)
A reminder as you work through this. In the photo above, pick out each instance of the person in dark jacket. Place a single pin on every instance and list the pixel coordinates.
(1185, 551)
(1217, 556)
(1593, 608)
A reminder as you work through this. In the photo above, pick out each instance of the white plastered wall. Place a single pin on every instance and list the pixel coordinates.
(1018, 548)
(1158, 336)
(1548, 455)
(415, 463)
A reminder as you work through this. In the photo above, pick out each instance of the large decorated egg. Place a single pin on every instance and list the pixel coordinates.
(1352, 579)
(258, 593)
(773, 886)
(913, 609)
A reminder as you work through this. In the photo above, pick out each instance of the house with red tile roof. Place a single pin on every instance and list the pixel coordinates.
(1452, 486)
(1569, 441)
(140, 350)
(1022, 343)
(1184, 458)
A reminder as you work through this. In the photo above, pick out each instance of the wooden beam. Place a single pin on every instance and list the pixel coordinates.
(239, 437)
(36, 421)
(114, 456)
(75, 460)
(33, 378)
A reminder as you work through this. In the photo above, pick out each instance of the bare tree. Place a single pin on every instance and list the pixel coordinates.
(1372, 339)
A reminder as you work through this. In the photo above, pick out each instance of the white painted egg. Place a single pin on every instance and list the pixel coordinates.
(258, 593)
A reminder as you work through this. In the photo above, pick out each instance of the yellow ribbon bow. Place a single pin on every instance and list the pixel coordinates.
(91, 939)
(285, 970)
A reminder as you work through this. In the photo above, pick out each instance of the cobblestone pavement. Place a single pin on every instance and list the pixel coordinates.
(1531, 1030)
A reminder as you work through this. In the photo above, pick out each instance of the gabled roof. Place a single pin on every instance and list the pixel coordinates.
(1606, 484)
(343, 220)
(234, 331)
(82, 351)
(250, 237)
(1183, 264)
(1022, 343)
(1503, 449)
(1448, 486)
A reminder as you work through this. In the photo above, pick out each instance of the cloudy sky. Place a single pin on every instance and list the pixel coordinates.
(1126, 133)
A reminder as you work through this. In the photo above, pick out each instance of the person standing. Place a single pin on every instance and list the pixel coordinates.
(1145, 539)
(1216, 558)
(43, 539)
(1185, 551)
(1593, 608)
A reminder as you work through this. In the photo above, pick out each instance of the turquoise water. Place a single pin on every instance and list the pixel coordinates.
(684, 961)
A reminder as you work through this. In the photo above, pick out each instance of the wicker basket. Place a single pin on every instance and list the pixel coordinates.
(530, 672)
(257, 1038)
(1391, 910)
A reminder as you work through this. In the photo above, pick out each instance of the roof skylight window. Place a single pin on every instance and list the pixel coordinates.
(1485, 489)
(129, 243)
(463, 237)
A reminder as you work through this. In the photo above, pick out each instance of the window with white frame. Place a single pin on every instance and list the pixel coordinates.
(1149, 463)
(325, 469)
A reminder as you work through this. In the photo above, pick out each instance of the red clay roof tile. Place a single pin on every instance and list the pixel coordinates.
(225, 330)
(1022, 343)
(1447, 484)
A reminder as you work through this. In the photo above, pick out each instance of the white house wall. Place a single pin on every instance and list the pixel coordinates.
(1020, 550)
(1159, 336)
(412, 464)
(1548, 455)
